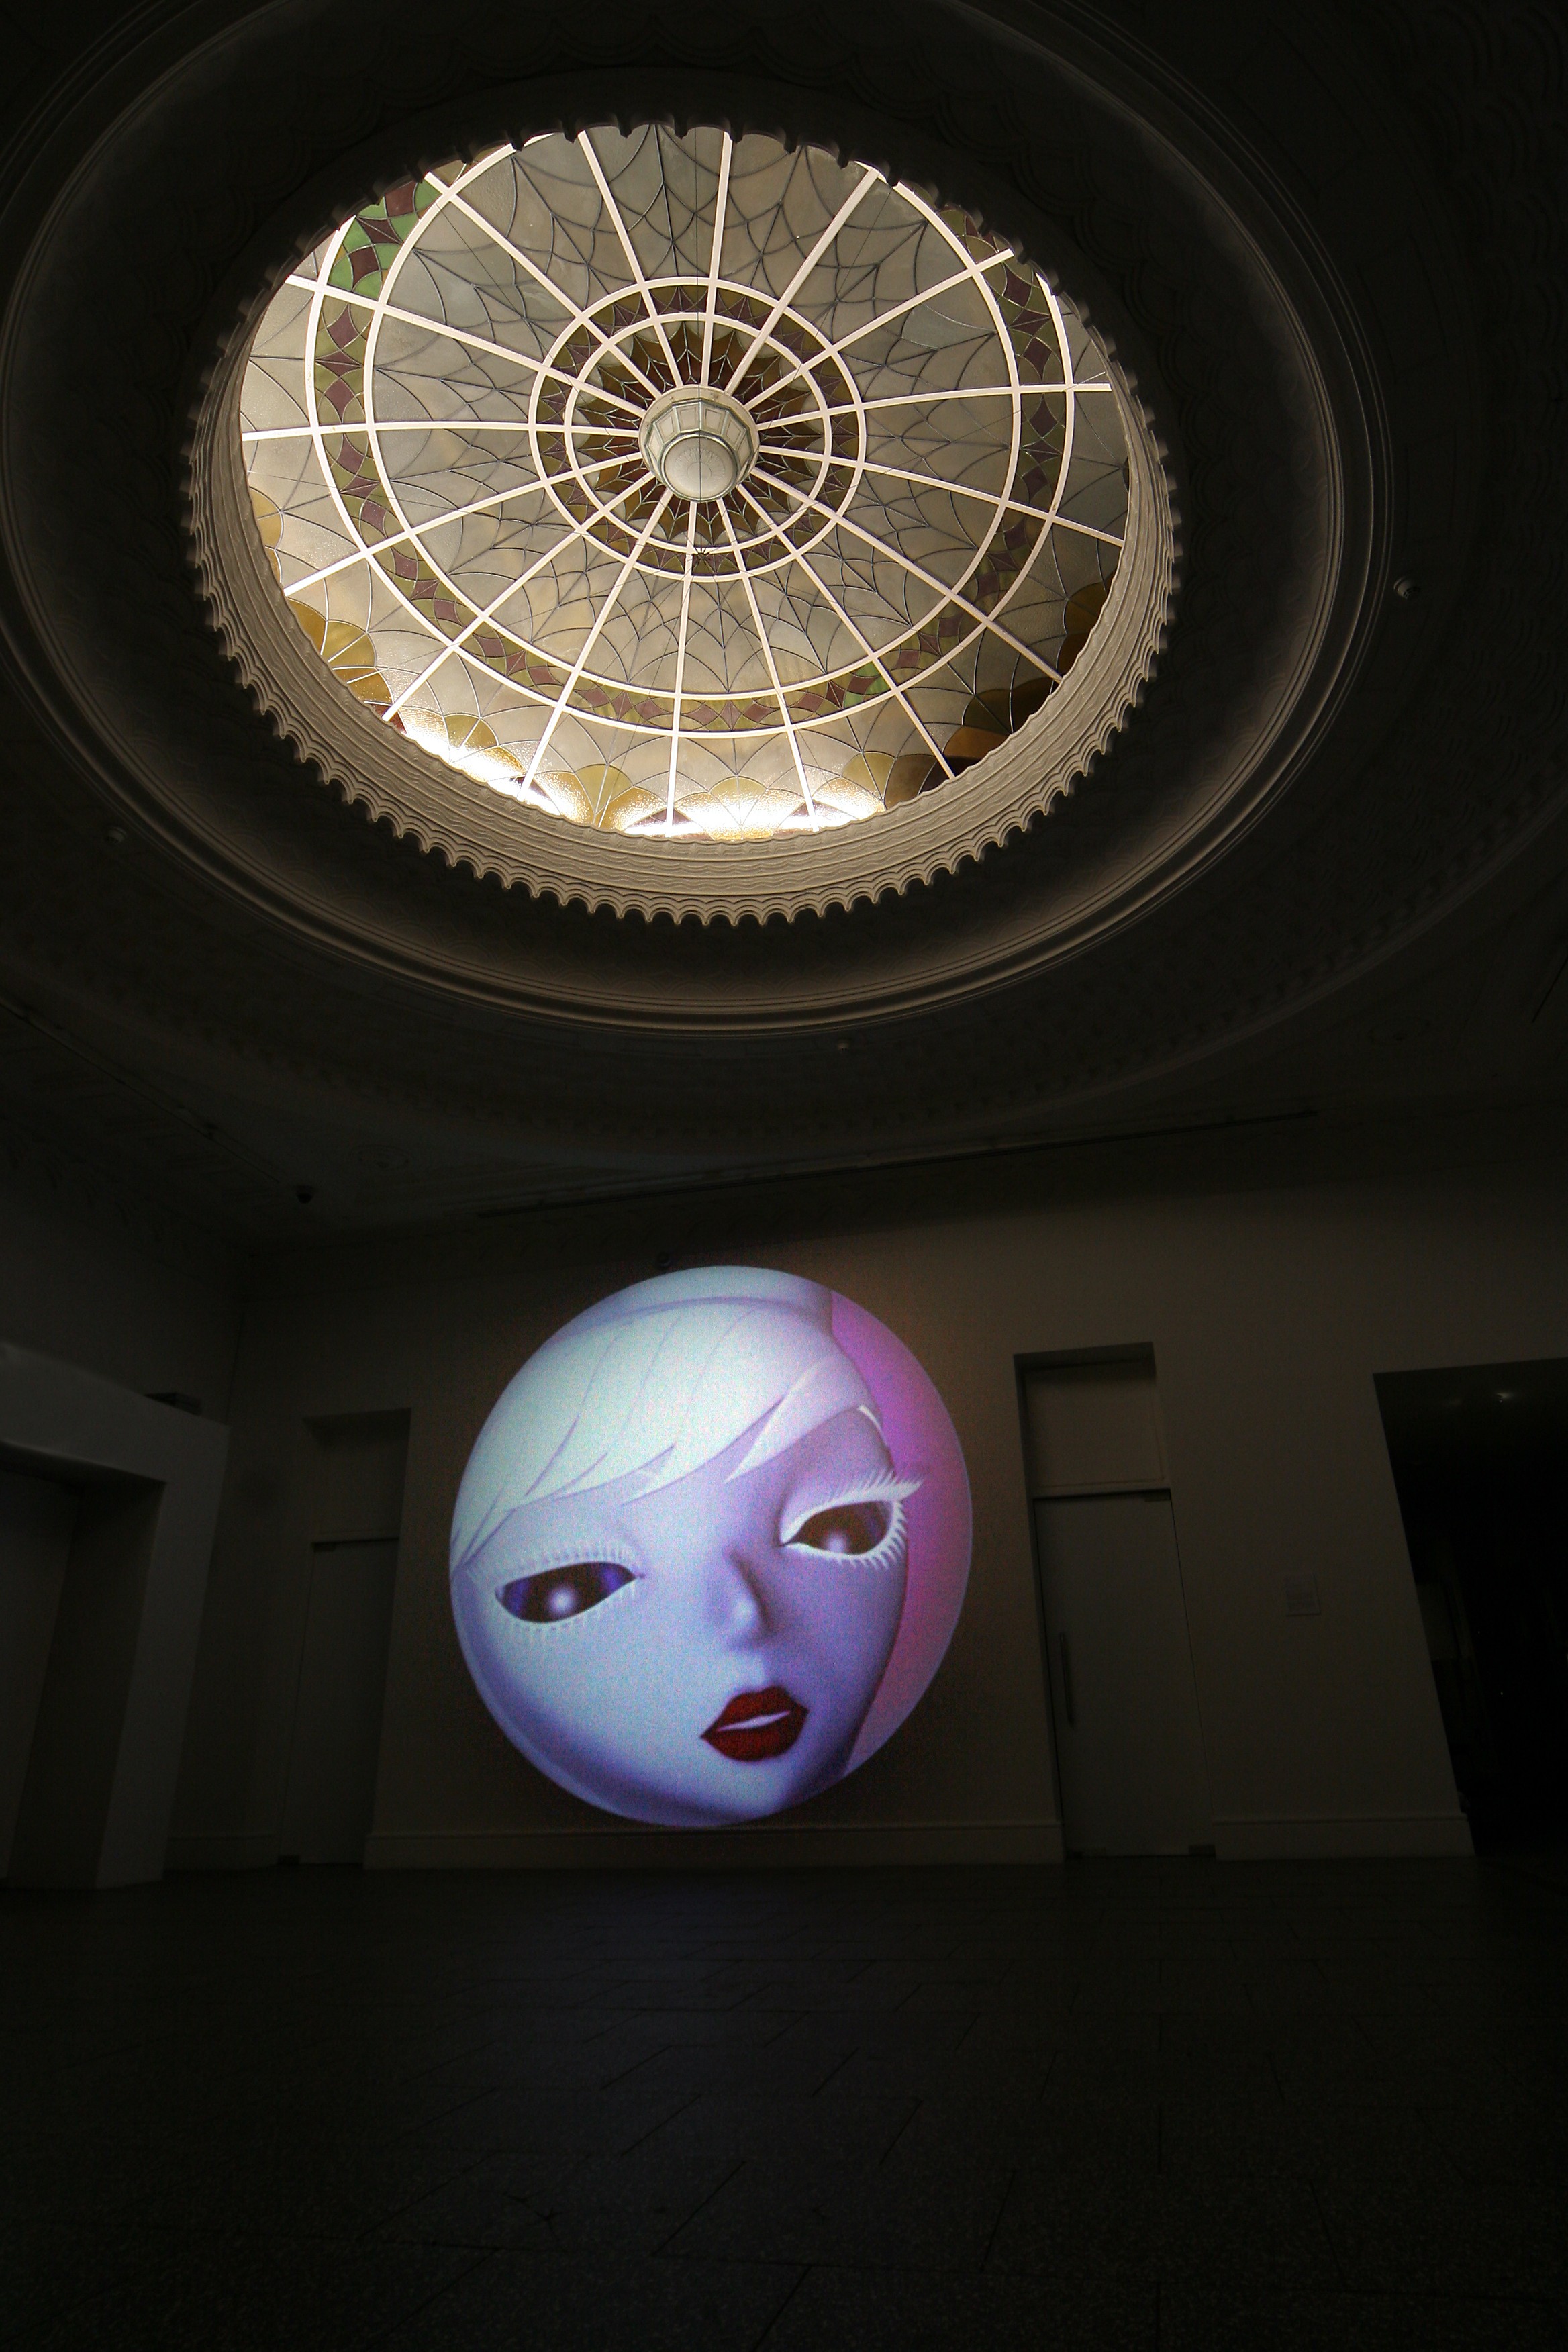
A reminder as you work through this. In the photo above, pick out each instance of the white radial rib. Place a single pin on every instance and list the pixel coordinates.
(401, 537)
(680, 655)
(525, 261)
(627, 432)
(881, 660)
(602, 464)
(639, 279)
(1052, 516)
(973, 276)
(916, 571)
(581, 664)
(839, 218)
(858, 634)
(710, 308)
(411, 424)
(455, 645)
(772, 669)
(318, 436)
(959, 392)
(1010, 357)
(979, 277)
(486, 342)
(379, 312)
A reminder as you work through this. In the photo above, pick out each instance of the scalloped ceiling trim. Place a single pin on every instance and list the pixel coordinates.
(1217, 299)
(468, 824)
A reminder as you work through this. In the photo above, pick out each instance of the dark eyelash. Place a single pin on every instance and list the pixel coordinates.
(555, 1594)
(867, 1522)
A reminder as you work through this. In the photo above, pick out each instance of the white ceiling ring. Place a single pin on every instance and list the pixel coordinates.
(932, 586)
(1209, 284)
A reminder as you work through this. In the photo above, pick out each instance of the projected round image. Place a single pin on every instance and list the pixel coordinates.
(710, 1547)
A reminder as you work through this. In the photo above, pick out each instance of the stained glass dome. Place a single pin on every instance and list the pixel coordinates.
(684, 487)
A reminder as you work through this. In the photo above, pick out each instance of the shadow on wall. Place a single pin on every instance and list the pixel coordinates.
(1479, 1455)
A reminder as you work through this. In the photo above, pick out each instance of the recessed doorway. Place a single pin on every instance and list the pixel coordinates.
(336, 1752)
(328, 1800)
(1117, 1654)
(1478, 1453)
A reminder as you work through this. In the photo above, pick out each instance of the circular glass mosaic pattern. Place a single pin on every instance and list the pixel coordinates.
(685, 487)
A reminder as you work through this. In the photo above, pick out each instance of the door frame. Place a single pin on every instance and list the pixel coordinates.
(1067, 1360)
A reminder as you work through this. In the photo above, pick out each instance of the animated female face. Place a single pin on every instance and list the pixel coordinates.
(705, 1651)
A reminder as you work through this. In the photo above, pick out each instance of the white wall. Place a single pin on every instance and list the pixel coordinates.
(1268, 1311)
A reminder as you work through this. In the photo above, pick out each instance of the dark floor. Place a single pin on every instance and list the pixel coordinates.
(1151, 2105)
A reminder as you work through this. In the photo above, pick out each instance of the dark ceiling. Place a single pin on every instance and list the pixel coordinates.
(1320, 867)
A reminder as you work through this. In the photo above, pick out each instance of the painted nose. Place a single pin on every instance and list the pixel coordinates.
(738, 1601)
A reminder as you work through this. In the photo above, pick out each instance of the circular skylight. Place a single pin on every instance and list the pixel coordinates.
(684, 487)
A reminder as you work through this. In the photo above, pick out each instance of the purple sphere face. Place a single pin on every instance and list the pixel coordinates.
(710, 1546)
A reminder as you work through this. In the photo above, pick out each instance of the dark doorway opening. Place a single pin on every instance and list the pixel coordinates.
(1480, 1460)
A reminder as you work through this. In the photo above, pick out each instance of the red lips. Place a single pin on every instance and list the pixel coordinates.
(757, 1725)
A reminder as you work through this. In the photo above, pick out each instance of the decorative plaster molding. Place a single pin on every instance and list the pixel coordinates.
(469, 824)
(1245, 664)
(1318, 775)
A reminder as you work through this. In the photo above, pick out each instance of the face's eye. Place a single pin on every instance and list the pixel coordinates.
(846, 1530)
(560, 1592)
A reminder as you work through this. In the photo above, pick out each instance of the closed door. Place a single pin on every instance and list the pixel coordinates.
(337, 1719)
(1129, 1743)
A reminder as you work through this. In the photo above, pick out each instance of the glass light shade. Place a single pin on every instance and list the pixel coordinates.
(700, 443)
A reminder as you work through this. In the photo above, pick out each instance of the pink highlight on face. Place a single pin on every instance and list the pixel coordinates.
(924, 1443)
